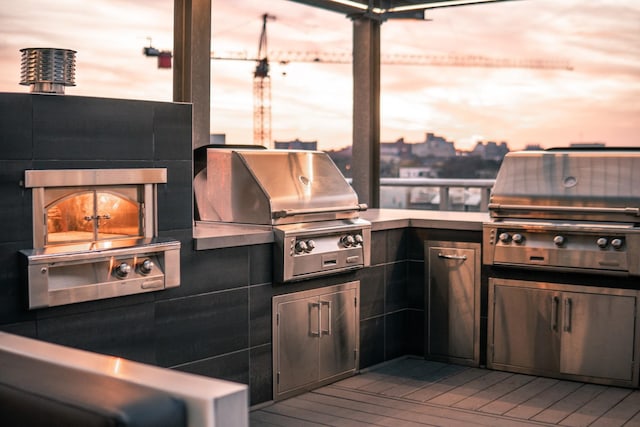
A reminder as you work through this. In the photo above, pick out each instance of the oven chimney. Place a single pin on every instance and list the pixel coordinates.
(48, 70)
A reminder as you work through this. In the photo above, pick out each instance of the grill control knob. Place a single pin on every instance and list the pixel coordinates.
(122, 270)
(504, 237)
(348, 240)
(559, 240)
(146, 266)
(616, 243)
(518, 238)
(310, 245)
(602, 242)
(358, 238)
(301, 246)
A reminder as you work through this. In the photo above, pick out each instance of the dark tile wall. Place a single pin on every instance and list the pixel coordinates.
(391, 299)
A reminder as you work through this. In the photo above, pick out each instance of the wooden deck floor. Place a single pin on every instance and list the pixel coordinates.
(416, 392)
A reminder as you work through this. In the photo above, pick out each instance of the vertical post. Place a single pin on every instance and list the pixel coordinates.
(366, 110)
(192, 63)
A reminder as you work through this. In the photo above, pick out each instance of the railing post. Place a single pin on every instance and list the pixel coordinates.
(444, 198)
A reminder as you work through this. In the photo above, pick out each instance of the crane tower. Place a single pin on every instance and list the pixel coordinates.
(262, 91)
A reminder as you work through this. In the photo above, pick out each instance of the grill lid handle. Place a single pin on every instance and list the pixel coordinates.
(582, 209)
(292, 212)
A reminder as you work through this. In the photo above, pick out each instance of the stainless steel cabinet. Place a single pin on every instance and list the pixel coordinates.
(453, 301)
(315, 337)
(567, 331)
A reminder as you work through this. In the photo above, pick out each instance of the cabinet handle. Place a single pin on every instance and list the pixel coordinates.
(445, 256)
(567, 314)
(317, 333)
(328, 330)
(555, 302)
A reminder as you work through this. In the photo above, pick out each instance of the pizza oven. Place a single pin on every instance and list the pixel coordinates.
(95, 236)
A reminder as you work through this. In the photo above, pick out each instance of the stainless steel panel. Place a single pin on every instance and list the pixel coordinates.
(315, 337)
(595, 185)
(297, 336)
(582, 333)
(272, 187)
(579, 250)
(453, 301)
(592, 347)
(523, 330)
(338, 333)
(82, 177)
(57, 278)
(329, 254)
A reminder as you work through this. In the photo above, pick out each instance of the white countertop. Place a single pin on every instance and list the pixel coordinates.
(211, 235)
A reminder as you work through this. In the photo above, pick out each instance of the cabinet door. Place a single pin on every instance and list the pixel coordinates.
(338, 334)
(598, 335)
(453, 301)
(297, 335)
(525, 328)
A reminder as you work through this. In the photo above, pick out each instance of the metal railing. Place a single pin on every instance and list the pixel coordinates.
(436, 194)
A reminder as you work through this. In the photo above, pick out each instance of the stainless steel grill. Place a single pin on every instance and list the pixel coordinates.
(571, 210)
(562, 252)
(302, 195)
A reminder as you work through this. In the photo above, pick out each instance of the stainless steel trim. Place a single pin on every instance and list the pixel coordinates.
(87, 177)
(569, 209)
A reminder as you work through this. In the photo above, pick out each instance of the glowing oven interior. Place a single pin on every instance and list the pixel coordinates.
(92, 215)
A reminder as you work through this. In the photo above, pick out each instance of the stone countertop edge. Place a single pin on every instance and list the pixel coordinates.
(211, 235)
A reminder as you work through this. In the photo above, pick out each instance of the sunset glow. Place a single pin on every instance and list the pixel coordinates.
(598, 101)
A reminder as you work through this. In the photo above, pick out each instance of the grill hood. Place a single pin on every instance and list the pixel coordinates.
(586, 184)
(269, 187)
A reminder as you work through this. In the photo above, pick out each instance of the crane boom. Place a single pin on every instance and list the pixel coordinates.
(262, 80)
(284, 57)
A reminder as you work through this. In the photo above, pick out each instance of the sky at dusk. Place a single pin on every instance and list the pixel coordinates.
(598, 101)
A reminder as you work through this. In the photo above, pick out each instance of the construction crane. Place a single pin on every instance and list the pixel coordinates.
(262, 79)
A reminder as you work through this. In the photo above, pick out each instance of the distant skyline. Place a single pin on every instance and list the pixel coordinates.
(599, 101)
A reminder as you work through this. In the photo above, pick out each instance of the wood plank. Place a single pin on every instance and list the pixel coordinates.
(306, 415)
(597, 407)
(415, 411)
(494, 392)
(624, 411)
(448, 384)
(542, 401)
(359, 417)
(517, 397)
(470, 388)
(569, 404)
(263, 418)
(438, 376)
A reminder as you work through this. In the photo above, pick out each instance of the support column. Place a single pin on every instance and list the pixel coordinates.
(192, 63)
(366, 111)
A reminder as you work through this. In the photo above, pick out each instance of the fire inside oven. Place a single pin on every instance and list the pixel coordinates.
(95, 236)
(93, 214)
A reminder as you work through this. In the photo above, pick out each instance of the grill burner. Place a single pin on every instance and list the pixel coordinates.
(566, 210)
(301, 195)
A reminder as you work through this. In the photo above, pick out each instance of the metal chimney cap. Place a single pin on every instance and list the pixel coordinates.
(47, 70)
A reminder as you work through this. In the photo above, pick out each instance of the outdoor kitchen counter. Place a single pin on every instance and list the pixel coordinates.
(208, 235)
